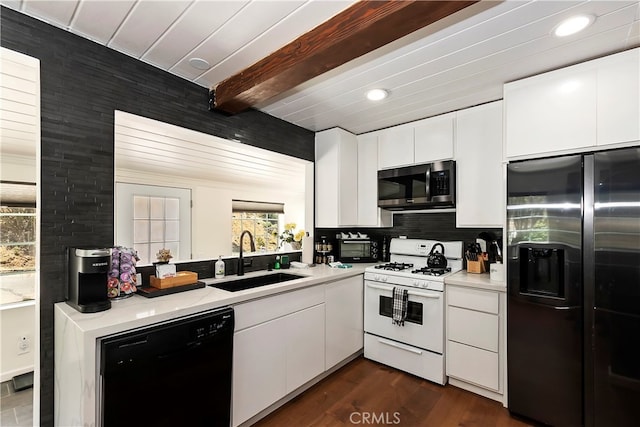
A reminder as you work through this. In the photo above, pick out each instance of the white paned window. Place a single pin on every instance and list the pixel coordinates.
(262, 226)
(156, 225)
(150, 218)
(261, 219)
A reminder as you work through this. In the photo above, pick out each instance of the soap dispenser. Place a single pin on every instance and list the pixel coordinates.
(276, 265)
(219, 268)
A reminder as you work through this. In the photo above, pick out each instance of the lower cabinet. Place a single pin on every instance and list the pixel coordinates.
(344, 324)
(475, 343)
(305, 346)
(284, 341)
(275, 356)
(259, 369)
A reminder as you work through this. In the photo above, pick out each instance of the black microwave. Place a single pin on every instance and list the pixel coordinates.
(425, 186)
(357, 250)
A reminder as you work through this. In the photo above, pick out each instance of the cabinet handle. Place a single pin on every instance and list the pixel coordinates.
(417, 294)
(398, 345)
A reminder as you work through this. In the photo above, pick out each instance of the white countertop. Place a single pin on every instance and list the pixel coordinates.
(472, 280)
(76, 333)
(138, 311)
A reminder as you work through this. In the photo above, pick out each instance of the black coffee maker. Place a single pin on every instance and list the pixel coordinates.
(87, 283)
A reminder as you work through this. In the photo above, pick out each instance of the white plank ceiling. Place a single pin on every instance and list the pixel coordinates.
(146, 147)
(450, 65)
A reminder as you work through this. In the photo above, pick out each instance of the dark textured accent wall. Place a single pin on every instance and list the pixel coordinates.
(82, 83)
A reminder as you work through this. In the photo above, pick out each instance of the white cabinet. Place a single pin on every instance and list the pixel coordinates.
(550, 112)
(259, 369)
(278, 346)
(336, 178)
(305, 343)
(369, 214)
(479, 183)
(395, 147)
(475, 349)
(434, 138)
(418, 142)
(574, 109)
(344, 319)
(619, 98)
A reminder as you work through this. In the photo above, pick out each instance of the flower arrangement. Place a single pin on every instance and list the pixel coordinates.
(289, 235)
(164, 255)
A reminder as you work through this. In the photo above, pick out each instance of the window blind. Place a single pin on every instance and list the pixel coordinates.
(257, 207)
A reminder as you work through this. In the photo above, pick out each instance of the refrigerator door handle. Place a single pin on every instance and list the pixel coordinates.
(564, 307)
(549, 306)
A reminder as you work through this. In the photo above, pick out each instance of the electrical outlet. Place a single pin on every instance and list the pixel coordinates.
(24, 344)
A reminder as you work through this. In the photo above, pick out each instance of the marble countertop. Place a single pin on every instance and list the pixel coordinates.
(472, 280)
(76, 333)
(138, 311)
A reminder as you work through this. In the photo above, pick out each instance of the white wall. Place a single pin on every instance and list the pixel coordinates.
(14, 323)
(17, 168)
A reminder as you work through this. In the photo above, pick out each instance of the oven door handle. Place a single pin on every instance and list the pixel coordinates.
(398, 345)
(414, 293)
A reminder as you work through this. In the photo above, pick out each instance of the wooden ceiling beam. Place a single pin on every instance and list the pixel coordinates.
(363, 27)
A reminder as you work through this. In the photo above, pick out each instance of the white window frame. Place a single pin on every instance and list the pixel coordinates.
(124, 224)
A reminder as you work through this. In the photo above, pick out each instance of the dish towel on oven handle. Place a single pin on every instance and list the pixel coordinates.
(400, 302)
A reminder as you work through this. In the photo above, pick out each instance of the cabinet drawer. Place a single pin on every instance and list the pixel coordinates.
(422, 363)
(473, 327)
(473, 365)
(262, 310)
(473, 299)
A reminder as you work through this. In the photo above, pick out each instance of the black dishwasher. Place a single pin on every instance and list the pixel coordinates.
(176, 373)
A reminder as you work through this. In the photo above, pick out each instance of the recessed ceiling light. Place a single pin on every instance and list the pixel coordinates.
(573, 25)
(377, 94)
(199, 64)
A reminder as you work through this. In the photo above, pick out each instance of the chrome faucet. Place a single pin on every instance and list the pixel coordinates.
(253, 248)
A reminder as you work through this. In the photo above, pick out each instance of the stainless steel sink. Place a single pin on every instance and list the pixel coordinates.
(254, 282)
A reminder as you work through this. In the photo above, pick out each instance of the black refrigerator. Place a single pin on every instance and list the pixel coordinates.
(573, 302)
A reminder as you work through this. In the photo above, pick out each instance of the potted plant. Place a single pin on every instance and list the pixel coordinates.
(163, 256)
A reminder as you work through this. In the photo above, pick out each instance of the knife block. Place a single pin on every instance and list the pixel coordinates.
(476, 266)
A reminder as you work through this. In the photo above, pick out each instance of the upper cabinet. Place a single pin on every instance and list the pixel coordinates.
(551, 112)
(433, 138)
(336, 178)
(574, 108)
(347, 180)
(369, 214)
(618, 106)
(480, 183)
(417, 142)
(395, 146)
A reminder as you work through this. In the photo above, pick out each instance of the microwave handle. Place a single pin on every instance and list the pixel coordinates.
(428, 183)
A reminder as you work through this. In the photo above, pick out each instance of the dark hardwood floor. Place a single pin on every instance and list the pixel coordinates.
(368, 393)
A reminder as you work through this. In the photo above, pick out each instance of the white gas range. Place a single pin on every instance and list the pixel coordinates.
(416, 347)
